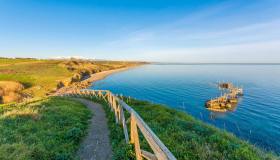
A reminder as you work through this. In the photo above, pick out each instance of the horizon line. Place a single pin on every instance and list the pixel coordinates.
(216, 63)
(153, 62)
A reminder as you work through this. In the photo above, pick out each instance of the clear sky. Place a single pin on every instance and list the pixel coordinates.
(151, 30)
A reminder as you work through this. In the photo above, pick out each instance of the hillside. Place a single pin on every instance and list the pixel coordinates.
(43, 77)
(45, 129)
(189, 139)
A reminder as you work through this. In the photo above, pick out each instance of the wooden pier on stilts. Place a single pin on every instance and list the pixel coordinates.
(226, 101)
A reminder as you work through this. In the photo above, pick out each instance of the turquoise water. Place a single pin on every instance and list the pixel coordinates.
(187, 87)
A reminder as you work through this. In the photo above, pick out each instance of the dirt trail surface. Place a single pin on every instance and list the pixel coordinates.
(96, 145)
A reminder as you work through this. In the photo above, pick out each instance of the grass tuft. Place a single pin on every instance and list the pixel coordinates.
(26, 112)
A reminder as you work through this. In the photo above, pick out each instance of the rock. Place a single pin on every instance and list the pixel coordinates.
(60, 85)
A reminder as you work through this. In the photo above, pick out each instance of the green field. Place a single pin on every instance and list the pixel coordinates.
(50, 128)
(39, 77)
(8, 61)
(43, 76)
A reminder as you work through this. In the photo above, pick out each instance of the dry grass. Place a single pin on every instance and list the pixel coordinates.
(10, 91)
(10, 86)
(25, 112)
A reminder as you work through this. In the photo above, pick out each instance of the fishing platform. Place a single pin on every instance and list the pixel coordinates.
(226, 101)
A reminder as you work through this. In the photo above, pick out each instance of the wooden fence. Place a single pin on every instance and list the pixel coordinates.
(118, 106)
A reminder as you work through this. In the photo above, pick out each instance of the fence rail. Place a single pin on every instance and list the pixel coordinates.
(118, 106)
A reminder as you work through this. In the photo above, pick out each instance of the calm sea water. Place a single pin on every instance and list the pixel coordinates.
(187, 87)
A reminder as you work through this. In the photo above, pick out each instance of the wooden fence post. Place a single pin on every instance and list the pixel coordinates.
(124, 125)
(106, 96)
(135, 137)
(99, 94)
(111, 101)
(115, 109)
(119, 113)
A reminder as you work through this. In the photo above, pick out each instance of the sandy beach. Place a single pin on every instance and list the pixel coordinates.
(93, 78)
(101, 75)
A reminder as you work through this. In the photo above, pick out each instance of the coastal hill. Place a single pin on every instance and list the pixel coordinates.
(22, 78)
(41, 124)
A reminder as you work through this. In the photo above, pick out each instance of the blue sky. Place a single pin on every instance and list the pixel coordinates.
(151, 30)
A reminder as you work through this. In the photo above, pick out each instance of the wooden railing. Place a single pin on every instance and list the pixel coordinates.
(118, 106)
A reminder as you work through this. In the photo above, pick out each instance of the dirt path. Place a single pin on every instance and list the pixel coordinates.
(96, 145)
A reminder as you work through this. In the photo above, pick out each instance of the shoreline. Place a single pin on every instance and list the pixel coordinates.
(102, 75)
(93, 78)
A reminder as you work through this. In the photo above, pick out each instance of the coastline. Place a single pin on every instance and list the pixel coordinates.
(101, 75)
(93, 78)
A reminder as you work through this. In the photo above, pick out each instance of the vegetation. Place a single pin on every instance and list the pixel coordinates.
(121, 150)
(7, 61)
(188, 138)
(10, 91)
(49, 128)
(40, 77)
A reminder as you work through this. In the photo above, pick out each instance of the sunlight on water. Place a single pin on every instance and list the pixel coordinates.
(187, 87)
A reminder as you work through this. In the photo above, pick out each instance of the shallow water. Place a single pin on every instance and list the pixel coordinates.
(187, 87)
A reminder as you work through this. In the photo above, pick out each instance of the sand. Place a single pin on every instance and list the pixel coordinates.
(89, 81)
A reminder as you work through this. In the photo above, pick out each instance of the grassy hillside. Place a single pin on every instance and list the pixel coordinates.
(47, 129)
(188, 138)
(7, 61)
(40, 77)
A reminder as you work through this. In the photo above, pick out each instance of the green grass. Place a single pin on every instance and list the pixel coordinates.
(42, 76)
(39, 77)
(190, 139)
(46, 129)
(7, 61)
(186, 137)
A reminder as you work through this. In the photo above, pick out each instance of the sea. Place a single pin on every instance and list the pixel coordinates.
(186, 87)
